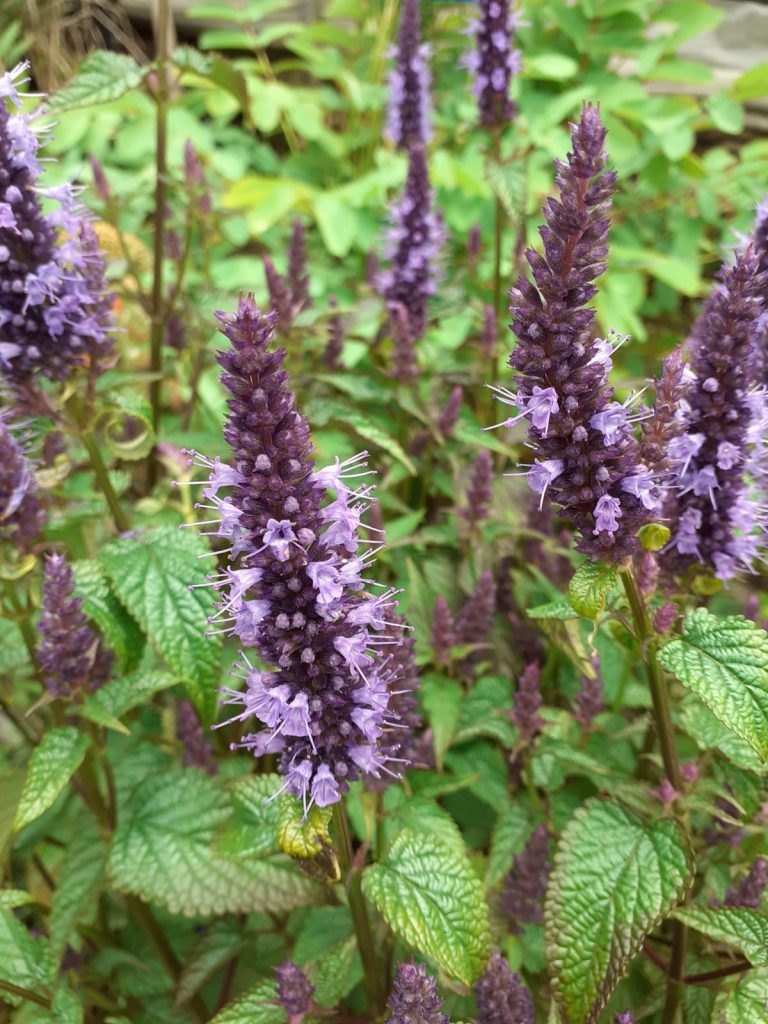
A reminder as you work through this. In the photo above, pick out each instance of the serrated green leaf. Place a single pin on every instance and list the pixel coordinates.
(322, 927)
(615, 879)
(746, 1002)
(337, 973)
(52, 764)
(260, 1006)
(510, 833)
(350, 417)
(562, 610)
(710, 733)
(431, 897)
(102, 77)
(152, 575)
(119, 696)
(223, 940)
(163, 851)
(24, 960)
(725, 662)
(252, 830)
(79, 886)
(744, 929)
(420, 814)
(301, 836)
(120, 632)
(653, 536)
(589, 586)
(485, 712)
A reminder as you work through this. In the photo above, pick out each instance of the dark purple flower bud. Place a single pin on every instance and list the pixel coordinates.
(402, 741)
(625, 1017)
(412, 245)
(502, 998)
(666, 793)
(295, 587)
(71, 656)
(52, 308)
(664, 618)
(586, 457)
(409, 82)
(475, 619)
(197, 749)
(527, 703)
(647, 571)
(21, 516)
(443, 636)
(176, 332)
(449, 416)
(665, 424)
(749, 891)
(490, 335)
(480, 490)
(173, 245)
(335, 344)
(294, 990)
(279, 296)
(590, 698)
(714, 518)
(474, 245)
(414, 998)
(495, 61)
(524, 887)
(404, 365)
(100, 182)
(690, 771)
(298, 274)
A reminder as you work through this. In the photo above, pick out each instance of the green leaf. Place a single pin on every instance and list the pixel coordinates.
(512, 829)
(260, 1006)
(127, 428)
(441, 698)
(562, 610)
(79, 886)
(12, 898)
(615, 879)
(752, 85)
(336, 976)
(52, 764)
(746, 930)
(725, 662)
(152, 576)
(319, 414)
(431, 897)
(589, 586)
(103, 76)
(252, 830)
(119, 696)
(163, 851)
(708, 732)
(557, 67)
(422, 815)
(653, 536)
(337, 222)
(485, 712)
(222, 941)
(120, 632)
(745, 1003)
(299, 836)
(24, 960)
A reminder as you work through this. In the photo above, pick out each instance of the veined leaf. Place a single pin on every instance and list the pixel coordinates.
(119, 696)
(708, 732)
(431, 897)
(119, 630)
(24, 960)
(746, 1002)
(252, 830)
(260, 1006)
(512, 829)
(79, 885)
(589, 586)
(103, 76)
(615, 879)
(740, 927)
(209, 954)
(52, 764)
(725, 662)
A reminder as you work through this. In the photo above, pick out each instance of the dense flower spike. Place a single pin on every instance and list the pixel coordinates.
(749, 891)
(479, 492)
(715, 520)
(527, 703)
(443, 635)
(71, 656)
(298, 274)
(586, 458)
(197, 750)
(449, 415)
(495, 61)
(294, 990)
(194, 178)
(502, 998)
(414, 998)
(296, 591)
(660, 430)
(402, 674)
(412, 245)
(335, 344)
(54, 314)
(590, 698)
(409, 82)
(524, 887)
(404, 365)
(21, 515)
(279, 296)
(760, 238)
(475, 618)
(474, 246)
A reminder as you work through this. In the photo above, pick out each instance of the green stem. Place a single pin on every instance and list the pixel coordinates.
(498, 230)
(360, 920)
(25, 993)
(101, 473)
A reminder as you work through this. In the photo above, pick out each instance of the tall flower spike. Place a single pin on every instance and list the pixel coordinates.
(495, 61)
(71, 656)
(412, 245)
(197, 750)
(401, 672)
(475, 619)
(279, 296)
(715, 520)
(449, 415)
(404, 365)
(527, 703)
(53, 311)
(409, 82)
(502, 998)
(21, 515)
(298, 274)
(586, 457)
(749, 891)
(414, 998)
(479, 492)
(524, 887)
(335, 343)
(294, 990)
(443, 636)
(660, 429)
(296, 590)
(589, 700)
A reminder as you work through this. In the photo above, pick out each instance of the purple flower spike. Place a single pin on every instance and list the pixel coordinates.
(495, 61)
(335, 344)
(404, 365)
(586, 457)
(194, 178)
(443, 636)
(279, 296)
(402, 743)
(197, 750)
(295, 590)
(414, 998)
(479, 492)
(760, 238)
(625, 1017)
(524, 887)
(749, 891)
(409, 82)
(449, 415)
(527, 703)
(474, 245)
(71, 656)
(714, 517)
(294, 990)
(590, 698)
(412, 245)
(475, 619)
(21, 516)
(660, 430)
(298, 274)
(54, 313)
(502, 998)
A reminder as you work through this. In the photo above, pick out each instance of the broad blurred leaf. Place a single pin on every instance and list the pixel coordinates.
(119, 696)
(260, 1006)
(103, 76)
(79, 886)
(24, 960)
(222, 941)
(52, 764)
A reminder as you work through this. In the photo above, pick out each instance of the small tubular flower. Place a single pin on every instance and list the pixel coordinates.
(586, 457)
(495, 61)
(409, 82)
(54, 313)
(412, 244)
(502, 998)
(414, 998)
(297, 589)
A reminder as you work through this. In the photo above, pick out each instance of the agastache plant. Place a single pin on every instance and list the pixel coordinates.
(296, 589)
(409, 82)
(494, 61)
(54, 314)
(21, 513)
